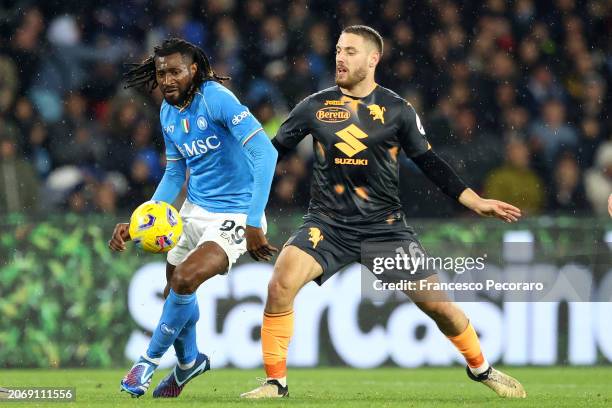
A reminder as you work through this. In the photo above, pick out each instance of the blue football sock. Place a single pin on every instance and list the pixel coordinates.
(185, 344)
(178, 310)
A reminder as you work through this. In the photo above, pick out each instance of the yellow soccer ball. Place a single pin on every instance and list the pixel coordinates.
(155, 226)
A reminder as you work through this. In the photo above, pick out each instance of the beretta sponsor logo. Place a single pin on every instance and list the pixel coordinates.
(333, 114)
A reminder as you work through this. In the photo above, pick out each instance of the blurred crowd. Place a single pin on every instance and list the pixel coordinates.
(514, 94)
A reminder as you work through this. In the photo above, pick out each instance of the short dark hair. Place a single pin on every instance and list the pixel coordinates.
(368, 33)
(143, 74)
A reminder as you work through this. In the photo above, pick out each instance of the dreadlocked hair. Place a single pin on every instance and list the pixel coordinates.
(143, 74)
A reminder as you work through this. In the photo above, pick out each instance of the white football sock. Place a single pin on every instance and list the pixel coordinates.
(186, 366)
(151, 360)
(479, 370)
(282, 381)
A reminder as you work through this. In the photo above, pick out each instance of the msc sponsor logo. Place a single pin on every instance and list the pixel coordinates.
(240, 117)
(333, 114)
(199, 146)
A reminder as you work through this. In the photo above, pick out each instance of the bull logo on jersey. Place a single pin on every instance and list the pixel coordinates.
(333, 114)
(314, 236)
(377, 112)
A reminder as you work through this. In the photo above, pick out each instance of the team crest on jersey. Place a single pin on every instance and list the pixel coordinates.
(202, 123)
(333, 114)
(377, 112)
(314, 236)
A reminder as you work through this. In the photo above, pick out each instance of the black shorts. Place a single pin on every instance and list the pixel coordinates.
(335, 245)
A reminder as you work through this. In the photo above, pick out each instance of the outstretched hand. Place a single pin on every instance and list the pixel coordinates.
(257, 244)
(489, 208)
(495, 208)
(121, 234)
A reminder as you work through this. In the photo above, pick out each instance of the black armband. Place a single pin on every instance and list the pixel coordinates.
(442, 175)
(282, 150)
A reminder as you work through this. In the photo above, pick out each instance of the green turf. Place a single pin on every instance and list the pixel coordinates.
(337, 387)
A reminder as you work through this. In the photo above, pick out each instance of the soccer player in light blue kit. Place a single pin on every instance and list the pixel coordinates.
(231, 164)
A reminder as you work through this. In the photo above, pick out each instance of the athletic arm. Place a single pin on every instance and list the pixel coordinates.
(416, 146)
(263, 157)
(295, 128)
(172, 181)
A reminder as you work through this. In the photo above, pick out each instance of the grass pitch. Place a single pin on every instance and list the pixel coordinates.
(334, 387)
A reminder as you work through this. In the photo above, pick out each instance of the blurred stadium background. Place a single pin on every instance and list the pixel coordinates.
(515, 95)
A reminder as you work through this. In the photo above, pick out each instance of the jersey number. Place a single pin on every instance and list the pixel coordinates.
(238, 235)
(351, 135)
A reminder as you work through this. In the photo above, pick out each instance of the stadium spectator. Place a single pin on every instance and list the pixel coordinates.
(9, 84)
(76, 139)
(598, 179)
(514, 182)
(471, 151)
(37, 150)
(474, 71)
(567, 195)
(551, 134)
(18, 183)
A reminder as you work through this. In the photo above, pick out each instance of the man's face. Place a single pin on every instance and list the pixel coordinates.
(355, 56)
(174, 74)
(7, 149)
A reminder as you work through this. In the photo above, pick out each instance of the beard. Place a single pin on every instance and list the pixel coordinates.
(352, 78)
(179, 97)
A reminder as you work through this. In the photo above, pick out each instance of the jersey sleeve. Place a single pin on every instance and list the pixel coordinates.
(224, 108)
(411, 133)
(296, 127)
(172, 152)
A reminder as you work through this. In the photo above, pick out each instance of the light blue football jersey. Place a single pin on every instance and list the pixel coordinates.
(209, 135)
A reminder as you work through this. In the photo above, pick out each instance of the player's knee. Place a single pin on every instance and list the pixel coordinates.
(279, 292)
(184, 279)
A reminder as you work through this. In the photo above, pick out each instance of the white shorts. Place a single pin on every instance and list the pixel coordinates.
(199, 226)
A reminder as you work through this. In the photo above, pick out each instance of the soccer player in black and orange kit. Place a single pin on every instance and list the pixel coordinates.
(358, 129)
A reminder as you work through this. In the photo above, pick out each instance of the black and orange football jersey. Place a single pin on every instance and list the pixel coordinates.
(356, 146)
